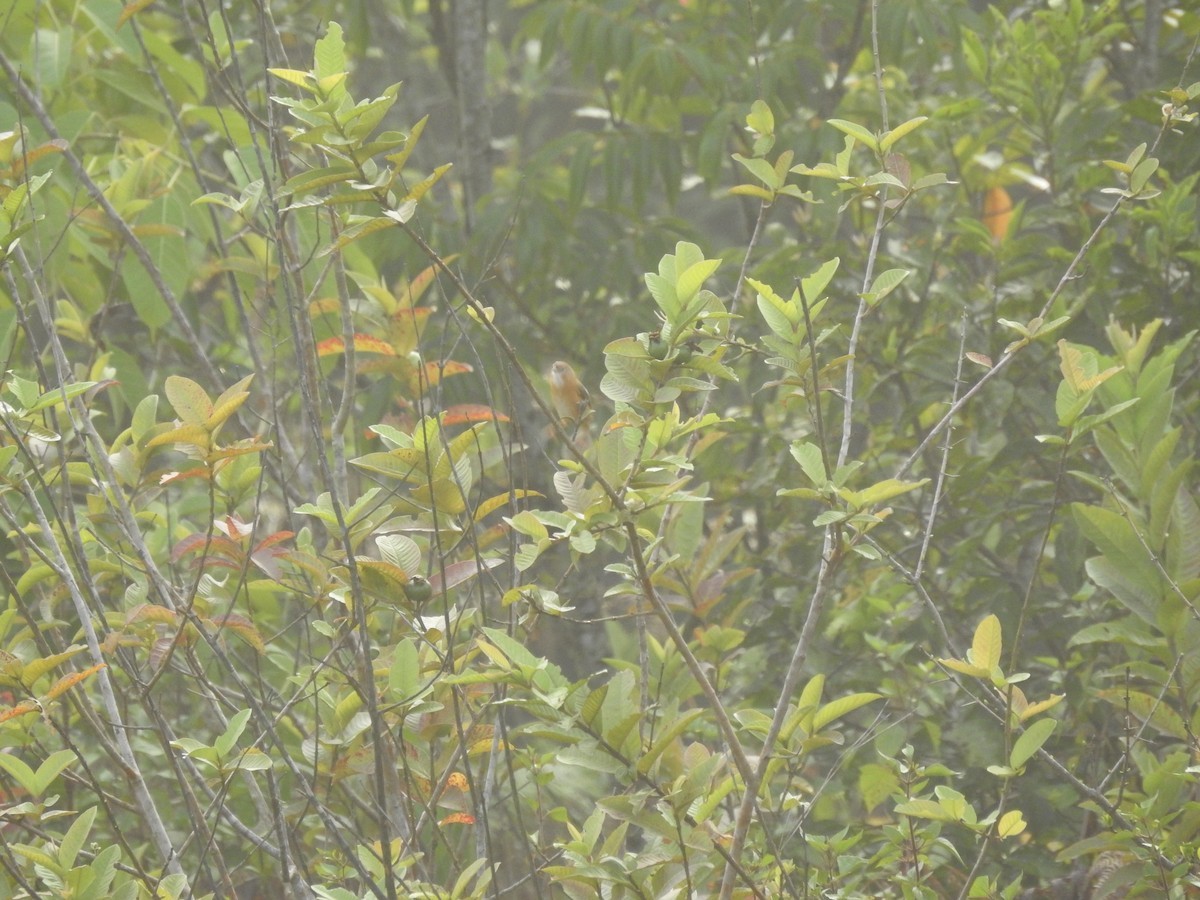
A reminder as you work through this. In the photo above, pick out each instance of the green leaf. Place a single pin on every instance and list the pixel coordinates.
(761, 169)
(815, 284)
(296, 77)
(1141, 174)
(76, 836)
(924, 809)
(513, 649)
(835, 709)
(676, 728)
(404, 676)
(252, 760)
(21, 773)
(329, 53)
(360, 230)
(934, 179)
(400, 550)
(856, 131)
(237, 724)
(889, 140)
(1031, 741)
(809, 456)
(689, 283)
(880, 492)
(781, 317)
(885, 283)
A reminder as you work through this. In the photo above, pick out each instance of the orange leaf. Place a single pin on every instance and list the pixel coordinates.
(130, 10)
(458, 818)
(25, 706)
(69, 681)
(324, 306)
(458, 781)
(243, 628)
(363, 343)
(997, 213)
(465, 413)
(435, 372)
(151, 612)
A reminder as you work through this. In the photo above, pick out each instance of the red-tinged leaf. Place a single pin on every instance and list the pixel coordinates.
(272, 539)
(219, 562)
(980, 359)
(458, 818)
(491, 536)
(406, 327)
(268, 561)
(233, 527)
(363, 343)
(67, 682)
(172, 477)
(243, 628)
(466, 413)
(159, 650)
(58, 145)
(457, 573)
(417, 316)
(217, 544)
(394, 366)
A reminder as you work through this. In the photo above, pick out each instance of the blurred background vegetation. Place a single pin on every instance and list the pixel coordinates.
(171, 237)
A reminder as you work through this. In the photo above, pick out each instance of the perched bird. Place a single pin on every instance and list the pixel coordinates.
(571, 402)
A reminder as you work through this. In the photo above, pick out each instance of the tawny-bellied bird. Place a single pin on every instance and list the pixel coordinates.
(571, 402)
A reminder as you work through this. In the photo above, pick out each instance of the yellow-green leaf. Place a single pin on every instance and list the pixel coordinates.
(190, 401)
(1011, 823)
(835, 709)
(986, 646)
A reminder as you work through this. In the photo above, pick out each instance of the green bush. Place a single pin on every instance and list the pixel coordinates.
(868, 566)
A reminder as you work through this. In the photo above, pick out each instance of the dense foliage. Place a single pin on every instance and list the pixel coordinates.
(862, 559)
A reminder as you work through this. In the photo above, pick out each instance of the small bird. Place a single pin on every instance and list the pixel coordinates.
(571, 402)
